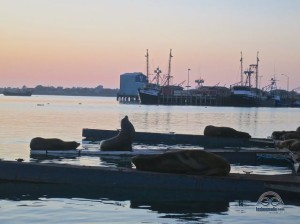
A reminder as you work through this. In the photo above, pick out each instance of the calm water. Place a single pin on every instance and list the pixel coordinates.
(23, 118)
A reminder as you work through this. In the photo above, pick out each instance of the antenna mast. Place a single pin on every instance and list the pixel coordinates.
(254, 66)
(157, 71)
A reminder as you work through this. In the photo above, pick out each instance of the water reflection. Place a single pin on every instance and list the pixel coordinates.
(177, 205)
(63, 117)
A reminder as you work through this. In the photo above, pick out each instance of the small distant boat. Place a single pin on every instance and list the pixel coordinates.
(17, 92)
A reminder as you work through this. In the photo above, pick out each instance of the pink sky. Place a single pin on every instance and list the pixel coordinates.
(90, 43)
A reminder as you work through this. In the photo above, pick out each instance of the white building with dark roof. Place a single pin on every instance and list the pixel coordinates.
(129, 85)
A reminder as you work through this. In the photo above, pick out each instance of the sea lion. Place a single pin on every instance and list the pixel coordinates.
(295, 146)
(225, 132)
(284, 135)
(290, 135)
(39, 143)
(183, 161)
(121, 142)
(291, 144)
(276, 135)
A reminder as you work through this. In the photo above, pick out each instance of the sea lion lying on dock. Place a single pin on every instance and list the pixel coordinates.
(285, 135)
(183, 161)
(225, 132)
(121, 142)
(291, 144)
(39, 143)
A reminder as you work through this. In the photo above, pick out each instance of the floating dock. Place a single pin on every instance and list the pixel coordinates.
(126, 178)
(234, 156)
(181, 139)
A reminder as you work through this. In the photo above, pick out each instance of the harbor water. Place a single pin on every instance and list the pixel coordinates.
(64, 117)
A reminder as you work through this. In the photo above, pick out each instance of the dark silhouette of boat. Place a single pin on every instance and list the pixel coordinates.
(17, 92)
(153, 92)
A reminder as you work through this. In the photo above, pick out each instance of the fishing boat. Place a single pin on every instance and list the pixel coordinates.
(245, 96)
(154, 93)
(243, 93)
(149, 94)
(181, 139)
(163, 92)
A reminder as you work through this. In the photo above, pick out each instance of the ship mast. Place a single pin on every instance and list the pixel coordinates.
(242, 75)
(169, 68)
(256, 75)
(147, 65)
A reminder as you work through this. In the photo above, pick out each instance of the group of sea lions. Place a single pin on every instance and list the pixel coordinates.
(123, 141)
(181, 161)
(287, 139)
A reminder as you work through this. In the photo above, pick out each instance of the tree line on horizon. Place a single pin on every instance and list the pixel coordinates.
(73, 91)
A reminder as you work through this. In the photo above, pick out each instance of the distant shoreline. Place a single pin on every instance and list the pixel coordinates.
(61, 91)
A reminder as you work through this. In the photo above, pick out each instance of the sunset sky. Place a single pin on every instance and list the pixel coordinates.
(87, 43)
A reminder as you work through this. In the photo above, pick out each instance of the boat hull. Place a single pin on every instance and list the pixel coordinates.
(148, 97)
(244, 101)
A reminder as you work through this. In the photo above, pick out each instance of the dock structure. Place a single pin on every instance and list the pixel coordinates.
(253, 156)
(127, 178)
(181, 139)
(123, 98)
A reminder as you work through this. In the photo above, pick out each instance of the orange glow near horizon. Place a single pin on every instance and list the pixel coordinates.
(77, 43)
